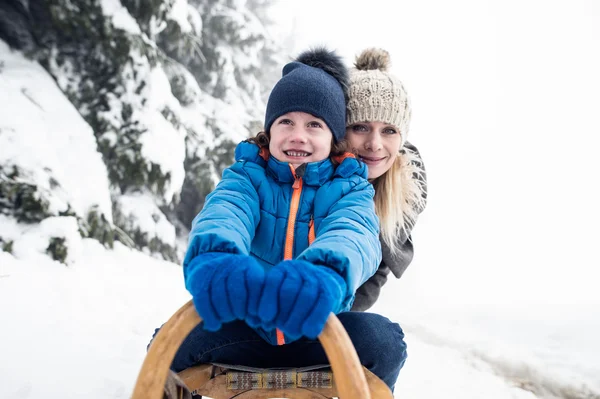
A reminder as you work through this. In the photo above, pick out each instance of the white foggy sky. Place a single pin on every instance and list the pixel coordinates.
(506, 109)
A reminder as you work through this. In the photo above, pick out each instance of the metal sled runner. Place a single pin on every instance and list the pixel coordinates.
(346, 380)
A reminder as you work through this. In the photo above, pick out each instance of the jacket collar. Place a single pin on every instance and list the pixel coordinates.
(312, 173)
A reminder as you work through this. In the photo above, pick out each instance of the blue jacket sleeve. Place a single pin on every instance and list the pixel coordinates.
(228, 220)
(347, 240)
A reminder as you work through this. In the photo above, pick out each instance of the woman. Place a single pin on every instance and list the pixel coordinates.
(378, 117)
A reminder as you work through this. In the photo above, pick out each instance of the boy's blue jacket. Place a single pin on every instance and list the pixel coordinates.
(252, 209)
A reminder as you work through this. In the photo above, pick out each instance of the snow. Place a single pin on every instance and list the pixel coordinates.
(179, 13)
(147, 216)
(163, 143)
(549, 350)
(42, 133)
(195, 20)
(120, 17)
(31, 241)
(434, 371)
(82, 330)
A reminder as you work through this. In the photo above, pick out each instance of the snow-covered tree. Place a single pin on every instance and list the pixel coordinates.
(168, 87)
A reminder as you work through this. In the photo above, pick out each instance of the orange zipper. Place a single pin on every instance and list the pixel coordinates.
(289, 236)
(288, 252)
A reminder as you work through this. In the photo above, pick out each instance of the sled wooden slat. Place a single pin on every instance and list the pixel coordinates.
(346, 367)
(153, 375)
(217, 388)
(297, 393)
(210, 380)
(377, 388)
(197, 376)
(199, 379)
(350, 377)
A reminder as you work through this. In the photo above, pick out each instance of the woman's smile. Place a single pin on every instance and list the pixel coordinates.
(372, 161)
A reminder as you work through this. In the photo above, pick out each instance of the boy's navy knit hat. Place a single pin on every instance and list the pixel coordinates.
(315, 83)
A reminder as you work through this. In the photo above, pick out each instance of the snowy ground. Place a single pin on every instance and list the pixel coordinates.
(81, 331)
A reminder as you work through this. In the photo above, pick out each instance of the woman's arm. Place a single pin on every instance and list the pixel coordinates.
(367, 294)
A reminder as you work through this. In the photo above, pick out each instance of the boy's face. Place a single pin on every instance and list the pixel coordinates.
(298, 137)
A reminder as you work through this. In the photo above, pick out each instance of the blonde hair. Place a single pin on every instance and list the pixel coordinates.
(399, 198)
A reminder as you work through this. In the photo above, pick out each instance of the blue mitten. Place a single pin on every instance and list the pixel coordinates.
(225, 287)
(298, 297)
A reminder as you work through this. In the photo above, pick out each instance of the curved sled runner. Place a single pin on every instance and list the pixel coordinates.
(349, 379)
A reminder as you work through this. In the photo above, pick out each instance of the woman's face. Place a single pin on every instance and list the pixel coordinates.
(298, 137)
(376, 143)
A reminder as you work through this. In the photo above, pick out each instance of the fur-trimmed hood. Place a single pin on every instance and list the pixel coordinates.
(414, 185)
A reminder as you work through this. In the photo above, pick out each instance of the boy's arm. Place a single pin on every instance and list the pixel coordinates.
(347, 240)
(228, 221)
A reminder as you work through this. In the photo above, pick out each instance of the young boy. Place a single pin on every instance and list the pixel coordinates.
(287, 236)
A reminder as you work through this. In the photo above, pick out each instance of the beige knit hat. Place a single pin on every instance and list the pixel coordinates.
(376, 95)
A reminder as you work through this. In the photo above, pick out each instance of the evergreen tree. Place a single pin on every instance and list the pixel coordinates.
(216, 60)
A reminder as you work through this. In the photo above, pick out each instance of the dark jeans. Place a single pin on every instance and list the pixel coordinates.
(378, 342)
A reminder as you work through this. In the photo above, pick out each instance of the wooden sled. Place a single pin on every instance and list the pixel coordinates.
(349, 380)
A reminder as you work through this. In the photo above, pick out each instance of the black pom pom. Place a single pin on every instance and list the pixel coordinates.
(328, 61)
